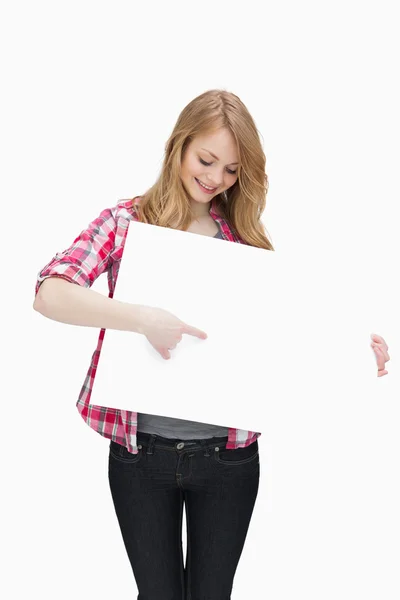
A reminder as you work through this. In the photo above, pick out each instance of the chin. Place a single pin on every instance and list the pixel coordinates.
(202, 200)
(199, 197)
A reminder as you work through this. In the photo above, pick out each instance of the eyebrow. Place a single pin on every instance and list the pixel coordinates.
(216, 157)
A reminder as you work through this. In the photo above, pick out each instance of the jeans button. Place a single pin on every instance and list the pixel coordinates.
(180, 445)
(217, 449)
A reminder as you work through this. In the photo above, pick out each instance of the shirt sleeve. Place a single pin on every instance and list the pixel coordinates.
(88, 256)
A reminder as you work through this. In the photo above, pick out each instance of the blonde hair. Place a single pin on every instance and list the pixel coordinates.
(167, 203)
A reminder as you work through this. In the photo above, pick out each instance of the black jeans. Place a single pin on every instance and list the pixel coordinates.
(219, 489)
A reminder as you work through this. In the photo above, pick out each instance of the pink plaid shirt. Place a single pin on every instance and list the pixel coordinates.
(98, 249)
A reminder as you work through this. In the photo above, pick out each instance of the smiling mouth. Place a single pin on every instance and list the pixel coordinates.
(206, 188)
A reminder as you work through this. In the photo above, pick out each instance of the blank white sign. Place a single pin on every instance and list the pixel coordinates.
(277, 343)
(226, 289)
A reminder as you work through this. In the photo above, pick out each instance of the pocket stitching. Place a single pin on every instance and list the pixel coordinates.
(235, 462)
(135, 459)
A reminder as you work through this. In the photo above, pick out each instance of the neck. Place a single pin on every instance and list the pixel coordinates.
(200, 210)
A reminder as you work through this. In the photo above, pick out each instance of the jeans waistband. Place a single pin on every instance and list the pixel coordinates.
(151, 441)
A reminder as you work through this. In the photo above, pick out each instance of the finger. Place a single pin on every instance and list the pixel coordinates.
(382, 350)
(379, 339)
(189, 330)
(380, 359)
(164, 353)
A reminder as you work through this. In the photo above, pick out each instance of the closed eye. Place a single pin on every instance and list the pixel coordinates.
(206, 164)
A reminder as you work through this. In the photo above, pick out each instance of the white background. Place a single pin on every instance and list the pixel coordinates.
(91, 92)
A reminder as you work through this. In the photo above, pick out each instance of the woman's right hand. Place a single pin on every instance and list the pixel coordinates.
(164, 331)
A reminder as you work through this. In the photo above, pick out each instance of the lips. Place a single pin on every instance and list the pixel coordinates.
(205, 190)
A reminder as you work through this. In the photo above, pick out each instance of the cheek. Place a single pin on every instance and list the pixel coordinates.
(229, 181)
(194, 168)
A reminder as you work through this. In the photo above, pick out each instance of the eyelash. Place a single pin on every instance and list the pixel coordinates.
(206, 164)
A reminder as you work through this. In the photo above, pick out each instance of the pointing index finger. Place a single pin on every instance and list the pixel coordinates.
(189, 330)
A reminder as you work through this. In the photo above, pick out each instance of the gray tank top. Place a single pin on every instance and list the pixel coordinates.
(169, 427)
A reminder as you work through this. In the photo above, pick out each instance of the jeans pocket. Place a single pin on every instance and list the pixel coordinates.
(237, 457)
(121, 453)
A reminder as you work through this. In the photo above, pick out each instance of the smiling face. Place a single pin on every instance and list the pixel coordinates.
(209, 165)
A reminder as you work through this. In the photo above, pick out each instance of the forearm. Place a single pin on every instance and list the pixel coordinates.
(66, 302)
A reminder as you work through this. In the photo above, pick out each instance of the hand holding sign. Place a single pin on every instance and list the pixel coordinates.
(380, 348)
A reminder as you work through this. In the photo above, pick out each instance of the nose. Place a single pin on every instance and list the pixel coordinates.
(213, 184)
(215, 181)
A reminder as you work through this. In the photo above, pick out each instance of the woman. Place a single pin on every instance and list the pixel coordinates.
(213, 183)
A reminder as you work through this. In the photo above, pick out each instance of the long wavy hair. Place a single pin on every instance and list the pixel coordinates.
(167, 203)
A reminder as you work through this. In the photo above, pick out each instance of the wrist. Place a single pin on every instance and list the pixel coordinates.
(139, 318)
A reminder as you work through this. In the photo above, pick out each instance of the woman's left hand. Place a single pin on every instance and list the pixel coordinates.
(380, 348)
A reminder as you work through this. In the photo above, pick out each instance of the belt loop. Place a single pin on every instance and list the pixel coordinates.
(151, 444)
(205, 447)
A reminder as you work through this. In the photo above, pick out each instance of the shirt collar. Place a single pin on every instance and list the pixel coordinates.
(225, 229)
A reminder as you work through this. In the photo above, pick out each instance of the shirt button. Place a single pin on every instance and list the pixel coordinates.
(180, 445)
